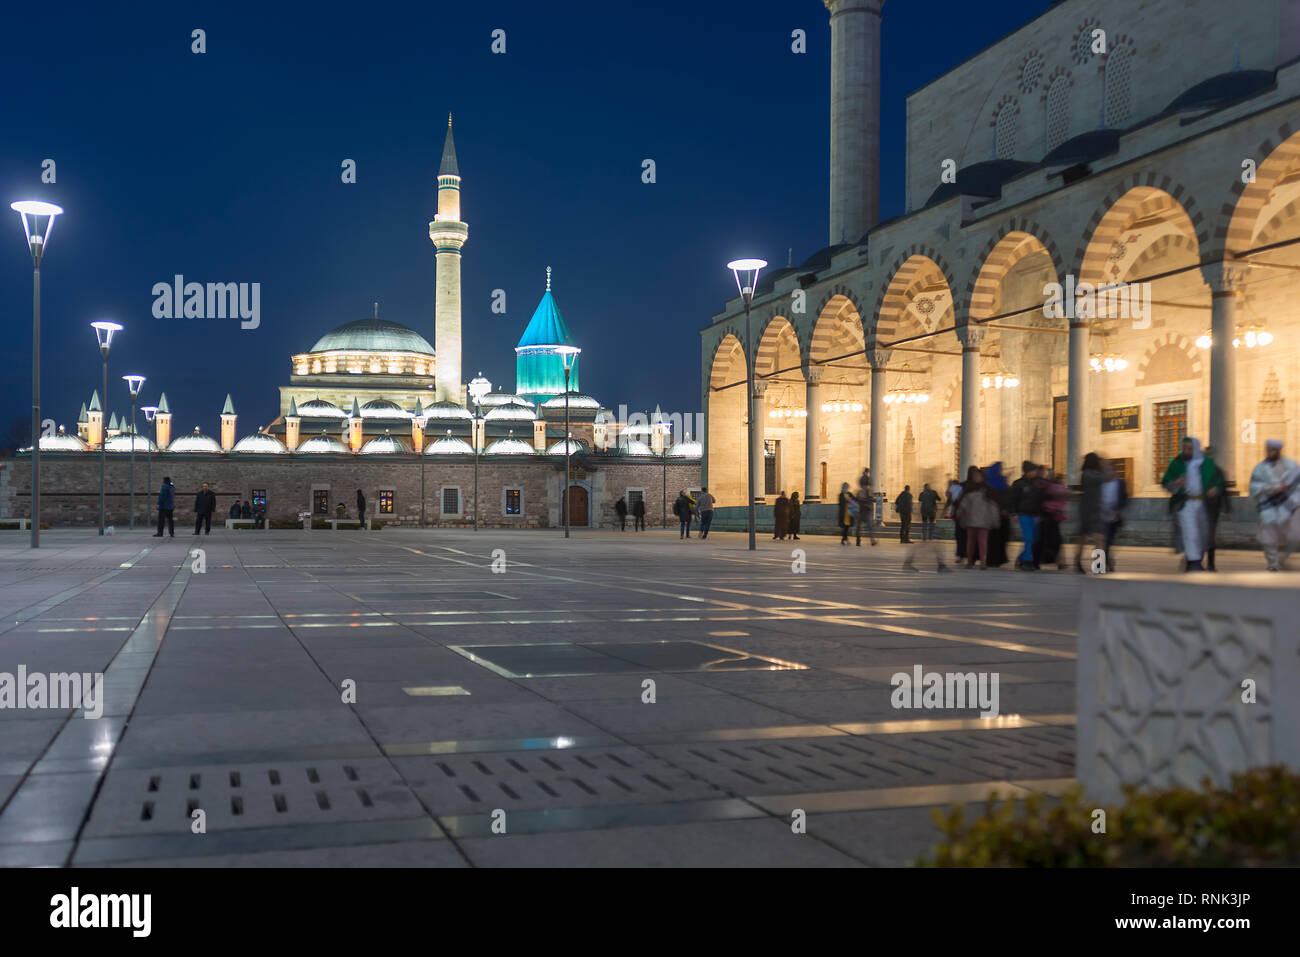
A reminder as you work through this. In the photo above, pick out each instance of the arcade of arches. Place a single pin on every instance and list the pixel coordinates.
(1161, 335)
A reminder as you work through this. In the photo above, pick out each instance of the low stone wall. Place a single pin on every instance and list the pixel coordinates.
(70, 486)
(1147, 522)
(1163, 667)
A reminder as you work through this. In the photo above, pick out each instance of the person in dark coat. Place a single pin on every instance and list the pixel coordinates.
(205, 503)
(259, 513)
(620, 509)
(1092, 529)
(1000, 533)
(682, 509)
(794, 515)
(903, 506)
(638, 515)
(234, 509)
(1215, 508)
(845, 514)
(247, 510)
(929, 502)
(167, 507)
(781, 516)
(1025, 500)
(361, 507)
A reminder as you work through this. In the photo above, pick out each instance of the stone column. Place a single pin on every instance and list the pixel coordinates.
(812, 431)
(1225, 279)
(756, 459)
(1076, 406)
(878, 413)
(971, 337)
(855, 117)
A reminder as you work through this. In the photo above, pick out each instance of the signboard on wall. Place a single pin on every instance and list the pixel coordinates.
(1121, 418)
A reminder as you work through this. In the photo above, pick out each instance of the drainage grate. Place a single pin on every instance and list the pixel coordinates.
(459, 784)
(283, 794)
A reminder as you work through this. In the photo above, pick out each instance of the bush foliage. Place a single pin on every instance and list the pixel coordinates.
(1255, 821)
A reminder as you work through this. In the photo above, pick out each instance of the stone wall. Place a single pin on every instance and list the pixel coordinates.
(70, 486)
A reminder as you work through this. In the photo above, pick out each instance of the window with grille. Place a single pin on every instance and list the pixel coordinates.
(634, 495)
(1005, 129)
(451, 501)
(385, 501)
(769, 465)
(514, 501)
(1170, 428)
(1058, 112)
(1119, 65)
(320, 501)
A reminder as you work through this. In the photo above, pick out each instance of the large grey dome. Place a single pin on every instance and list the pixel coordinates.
(373, 335)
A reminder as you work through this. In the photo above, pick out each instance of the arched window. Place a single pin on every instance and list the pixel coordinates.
(1058, 112)
(1119, 66)
(1005, 128)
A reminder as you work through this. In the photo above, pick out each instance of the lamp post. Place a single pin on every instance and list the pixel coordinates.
(478, 387)
(104, 332)
(421, 421)
(38, 220)
(150, 412)
(749, 268)
(133, 384)
(568, 355)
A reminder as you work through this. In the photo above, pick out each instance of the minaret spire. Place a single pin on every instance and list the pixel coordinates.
(449, 166)
(548, 278)
(448, 234)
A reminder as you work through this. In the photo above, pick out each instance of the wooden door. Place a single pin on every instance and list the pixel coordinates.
(576, 501)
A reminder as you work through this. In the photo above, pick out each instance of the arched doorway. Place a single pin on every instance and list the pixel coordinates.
(576, 503)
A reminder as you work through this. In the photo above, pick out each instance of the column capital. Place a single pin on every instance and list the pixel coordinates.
(971, 336)
(760, 387)
(814, 374)
(1225, 276)
(848, 6)
(879, 359)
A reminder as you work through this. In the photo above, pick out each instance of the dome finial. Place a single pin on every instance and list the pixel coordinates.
(548, 278)
(376, 310)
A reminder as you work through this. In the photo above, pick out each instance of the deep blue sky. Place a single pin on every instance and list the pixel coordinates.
(226, 167)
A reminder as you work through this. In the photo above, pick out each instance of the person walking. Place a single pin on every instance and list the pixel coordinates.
(620, 509)
(1001, 532)
(794, 516)
(1026, 501)
(166, 508)
(1192, 478)
(929, 502)
(205, 503)
(1215, 509)
(959, 532)
(865, 507)
(781, 517)
(361, 509)
(1114, 499)
(705, 504)
(638, 515)
(1092, 529)
(847, 505)
(1275, 487)
(979, 512)
(903, 506)
(1056, 497)
(682, 509)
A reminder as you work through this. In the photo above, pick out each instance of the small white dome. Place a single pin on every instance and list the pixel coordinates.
(687, 450)
(493, 399)
(634, 447)
(321, 443)
(576, 447)
(320, 409)
(383, 409)
(509, 447)
(123, 443)
(448, 411)
(385, 445)
(449, 445)
(511, 412)
(63, 442)
(576, 401)
(260, 442)
(196, 441)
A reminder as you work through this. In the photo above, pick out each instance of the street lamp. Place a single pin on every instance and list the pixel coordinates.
(38, 220)
(420, 422)
(150, 412)
(478, 388)
(104, 332)
(133, 384)
(568, 355)
(748, 269)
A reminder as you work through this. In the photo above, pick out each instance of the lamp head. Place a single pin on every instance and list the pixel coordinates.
(38, 220)
(134, 384)
(568, 355)
(104, 332)
(149, 412)
(746, 273)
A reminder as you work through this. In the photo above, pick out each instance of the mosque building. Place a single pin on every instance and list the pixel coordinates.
(372, 404)
(1100, 252)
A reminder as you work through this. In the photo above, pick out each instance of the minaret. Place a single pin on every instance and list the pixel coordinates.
(163, 422)
(95, 421)
(448, 234)
(855, 117)
(354, 427)
(292, 421)
(228, 424)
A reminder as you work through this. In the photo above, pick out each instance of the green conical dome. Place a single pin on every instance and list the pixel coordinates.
(539, 368)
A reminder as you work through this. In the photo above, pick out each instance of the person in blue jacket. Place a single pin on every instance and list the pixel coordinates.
(166, 508)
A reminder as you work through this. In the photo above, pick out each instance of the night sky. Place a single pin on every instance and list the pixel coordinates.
(225, 167)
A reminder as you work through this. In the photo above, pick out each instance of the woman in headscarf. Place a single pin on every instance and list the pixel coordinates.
(794, 515)
(1001, 532)
(845, 516)
(978, 511)
(781, 517)
(1092, 528)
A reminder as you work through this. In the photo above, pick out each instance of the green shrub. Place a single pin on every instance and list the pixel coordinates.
(1253, 822)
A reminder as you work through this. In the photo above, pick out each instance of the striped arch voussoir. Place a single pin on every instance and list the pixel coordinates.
(838, 290)
(1179, 342)
(1239, 215)
(1180, 194)
(1015, 225)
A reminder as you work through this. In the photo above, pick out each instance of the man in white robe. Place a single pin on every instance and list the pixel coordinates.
(1192, 477)
(1275, 487)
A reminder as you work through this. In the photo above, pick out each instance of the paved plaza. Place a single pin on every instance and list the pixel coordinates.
(388, 698)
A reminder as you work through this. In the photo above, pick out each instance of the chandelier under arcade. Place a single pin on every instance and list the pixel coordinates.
(783, 406)
(843, 400)
(910, 389)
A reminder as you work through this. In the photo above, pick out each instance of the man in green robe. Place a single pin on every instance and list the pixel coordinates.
(1193, 478)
